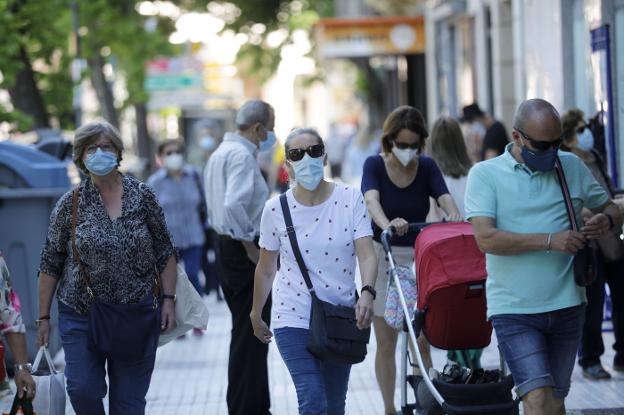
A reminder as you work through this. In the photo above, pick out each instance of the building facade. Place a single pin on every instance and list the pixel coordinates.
(500, 52)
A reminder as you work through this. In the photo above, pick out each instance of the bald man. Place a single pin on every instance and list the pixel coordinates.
(517, 210)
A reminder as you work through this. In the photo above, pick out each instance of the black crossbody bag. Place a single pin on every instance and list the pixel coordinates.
(334, 335)
(585, 260)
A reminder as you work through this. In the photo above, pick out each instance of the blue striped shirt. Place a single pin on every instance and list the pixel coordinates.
(180, 199)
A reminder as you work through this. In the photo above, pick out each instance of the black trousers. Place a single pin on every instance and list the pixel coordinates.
(248, 383)
(592, 346)
(211, 268)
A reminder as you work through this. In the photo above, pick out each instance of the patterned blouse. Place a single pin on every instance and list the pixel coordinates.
(10, 317)
(121, 256)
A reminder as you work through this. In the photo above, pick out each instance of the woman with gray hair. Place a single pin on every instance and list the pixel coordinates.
(109, 258)
(332, 227)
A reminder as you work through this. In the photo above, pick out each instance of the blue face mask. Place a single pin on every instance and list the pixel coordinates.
(101, 162)
(269, 142)
(308, 171)
(585, 140)
(543, 161)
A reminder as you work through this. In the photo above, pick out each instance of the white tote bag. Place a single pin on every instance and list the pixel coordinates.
(190, 310)
(50, 395)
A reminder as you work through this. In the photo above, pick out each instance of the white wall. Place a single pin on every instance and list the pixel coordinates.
(540, 51)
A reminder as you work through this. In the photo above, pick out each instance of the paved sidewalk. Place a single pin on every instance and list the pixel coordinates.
(191, 378)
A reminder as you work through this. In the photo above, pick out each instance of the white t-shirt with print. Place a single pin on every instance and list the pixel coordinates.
(326, 235)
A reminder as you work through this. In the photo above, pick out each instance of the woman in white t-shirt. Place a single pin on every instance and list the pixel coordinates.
(332, 228)
(448, 149)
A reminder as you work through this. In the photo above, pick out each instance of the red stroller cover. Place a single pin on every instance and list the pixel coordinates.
(451, 275)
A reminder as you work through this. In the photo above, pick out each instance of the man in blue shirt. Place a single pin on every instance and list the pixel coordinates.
(516, 207)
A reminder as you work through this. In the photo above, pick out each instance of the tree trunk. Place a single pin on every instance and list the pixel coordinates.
(145, 147)
(103, 89)
(25, 95)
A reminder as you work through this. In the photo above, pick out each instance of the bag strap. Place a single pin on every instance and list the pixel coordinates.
(603, 173)
(24, 403)
(292, 236)
(74, 222)
(566, 195)
(44, 352)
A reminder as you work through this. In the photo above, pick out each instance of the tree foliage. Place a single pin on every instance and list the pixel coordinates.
(257, 58)
(110, 29)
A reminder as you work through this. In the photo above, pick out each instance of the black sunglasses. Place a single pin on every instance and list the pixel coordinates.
(540, 145)
(403, 146)
(315, 151)
(170, 152)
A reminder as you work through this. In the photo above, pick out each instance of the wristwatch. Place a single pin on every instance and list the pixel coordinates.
(169, 296)
(371, 290)
(23, 366)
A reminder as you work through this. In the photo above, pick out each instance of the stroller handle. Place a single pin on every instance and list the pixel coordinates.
(390, 232)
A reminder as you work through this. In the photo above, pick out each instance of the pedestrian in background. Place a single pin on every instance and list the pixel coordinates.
(13, 330)
(578, 139)
(518, 213)
(448, 150)
(495, 137)
(320, 211)
(237, 194)
(397, 185)
(123, 245)
(180, 192)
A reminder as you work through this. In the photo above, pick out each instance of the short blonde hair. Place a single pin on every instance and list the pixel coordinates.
(88, 134)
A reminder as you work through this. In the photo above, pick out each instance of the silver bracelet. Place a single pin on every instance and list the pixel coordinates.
(548, 243)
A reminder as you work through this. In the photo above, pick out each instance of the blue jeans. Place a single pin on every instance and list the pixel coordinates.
(85, 372)
(540, 349)
(192, 262)
(321, 386)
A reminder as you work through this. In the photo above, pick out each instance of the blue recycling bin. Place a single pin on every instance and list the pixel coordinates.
(31, 182)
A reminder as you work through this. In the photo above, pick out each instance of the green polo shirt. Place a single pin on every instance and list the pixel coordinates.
(522, 201)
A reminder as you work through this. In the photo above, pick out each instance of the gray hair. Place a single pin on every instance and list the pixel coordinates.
(296, 132)
(88, 134)
(252, 112)
(531, 109)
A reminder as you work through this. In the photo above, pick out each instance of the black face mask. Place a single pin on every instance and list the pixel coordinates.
(543, 161)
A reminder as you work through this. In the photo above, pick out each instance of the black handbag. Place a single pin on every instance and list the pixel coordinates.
(334, 335)
(24, 404)
(119, 331)
(585, 260)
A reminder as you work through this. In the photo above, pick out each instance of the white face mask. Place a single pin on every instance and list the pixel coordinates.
(585, 140)
(174, 162)
(405, 156)
(308, 171)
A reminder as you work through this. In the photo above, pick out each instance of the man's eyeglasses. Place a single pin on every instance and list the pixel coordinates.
(315, 151)
(403, 146)
(105, 147)
(539, 144)
(582, 128)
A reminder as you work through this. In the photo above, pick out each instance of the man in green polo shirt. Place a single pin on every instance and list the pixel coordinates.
(517, 210)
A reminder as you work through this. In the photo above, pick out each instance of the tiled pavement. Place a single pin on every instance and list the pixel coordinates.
(191, 378)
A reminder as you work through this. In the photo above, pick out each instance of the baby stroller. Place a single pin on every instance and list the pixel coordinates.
(451, 313)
